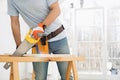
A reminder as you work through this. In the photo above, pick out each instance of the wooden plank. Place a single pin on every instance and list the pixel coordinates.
(14, 75)
(41, 58)
(80, 58)
(22, 59)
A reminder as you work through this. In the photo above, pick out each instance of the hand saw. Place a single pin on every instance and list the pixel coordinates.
(26, 45)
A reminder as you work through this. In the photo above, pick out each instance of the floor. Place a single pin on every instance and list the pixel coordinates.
(49, 77)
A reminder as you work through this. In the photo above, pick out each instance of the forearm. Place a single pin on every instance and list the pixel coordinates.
(53, 14)
(16, 30)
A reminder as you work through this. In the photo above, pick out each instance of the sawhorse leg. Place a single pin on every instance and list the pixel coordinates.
(33, 75)
(71, 66)
(14, 72)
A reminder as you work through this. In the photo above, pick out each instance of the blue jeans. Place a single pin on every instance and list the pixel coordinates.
(56, 47)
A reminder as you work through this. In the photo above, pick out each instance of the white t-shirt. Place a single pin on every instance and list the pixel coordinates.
(34, 12)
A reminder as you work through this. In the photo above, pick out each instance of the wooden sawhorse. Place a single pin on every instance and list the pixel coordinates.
(71, 59)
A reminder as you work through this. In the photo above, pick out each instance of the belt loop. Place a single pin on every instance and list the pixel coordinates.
(63, 27)
(52, 34)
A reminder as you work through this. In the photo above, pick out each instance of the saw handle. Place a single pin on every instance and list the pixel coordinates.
(30, 39)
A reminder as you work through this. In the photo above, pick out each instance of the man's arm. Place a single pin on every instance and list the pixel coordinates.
(15, 25)
(53, 14)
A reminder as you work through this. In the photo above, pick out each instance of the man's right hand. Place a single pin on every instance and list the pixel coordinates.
(37, 30)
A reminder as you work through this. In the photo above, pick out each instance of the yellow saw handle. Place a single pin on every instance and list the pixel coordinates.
(30, 39)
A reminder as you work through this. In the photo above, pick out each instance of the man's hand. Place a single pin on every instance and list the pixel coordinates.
(37, 30)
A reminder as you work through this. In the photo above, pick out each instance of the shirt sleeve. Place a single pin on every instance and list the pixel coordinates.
(50, 2)
(11, 10)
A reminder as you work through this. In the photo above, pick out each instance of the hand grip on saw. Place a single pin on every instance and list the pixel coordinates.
(26, 45)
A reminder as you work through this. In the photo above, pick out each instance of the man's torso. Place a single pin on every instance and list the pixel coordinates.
(34, 12)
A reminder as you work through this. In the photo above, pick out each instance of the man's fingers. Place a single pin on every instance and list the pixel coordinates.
(36, 37)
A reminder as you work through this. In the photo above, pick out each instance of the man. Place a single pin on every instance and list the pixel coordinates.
(41, 17)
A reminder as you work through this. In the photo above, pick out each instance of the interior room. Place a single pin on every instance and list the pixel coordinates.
(92, 29)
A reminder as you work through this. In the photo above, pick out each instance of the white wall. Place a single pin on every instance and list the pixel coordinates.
(7, 44)
(5, 40)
